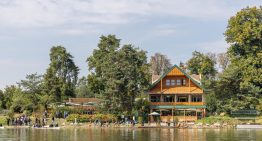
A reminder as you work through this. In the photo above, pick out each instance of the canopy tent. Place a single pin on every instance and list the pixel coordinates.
(154, 114)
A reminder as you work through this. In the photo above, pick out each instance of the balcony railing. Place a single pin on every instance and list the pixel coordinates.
(177, 103)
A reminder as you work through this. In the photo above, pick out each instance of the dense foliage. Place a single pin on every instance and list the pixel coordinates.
(119, 74)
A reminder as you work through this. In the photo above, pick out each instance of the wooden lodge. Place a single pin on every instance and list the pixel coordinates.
(177, 95)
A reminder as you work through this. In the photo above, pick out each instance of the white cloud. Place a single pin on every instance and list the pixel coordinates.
(218, 46)
(46, 13)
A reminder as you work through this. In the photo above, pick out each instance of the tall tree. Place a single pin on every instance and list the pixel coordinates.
(101, 59)
(118, 74)
(241, 82)
(61, 76)
(159, 64)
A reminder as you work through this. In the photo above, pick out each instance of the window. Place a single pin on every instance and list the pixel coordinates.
(182, 99)
(166, 113)
(167, 82)
(173, 82)
(196, 99)
(155, 98)
(168, 98)
(184, 82)
(178, 82)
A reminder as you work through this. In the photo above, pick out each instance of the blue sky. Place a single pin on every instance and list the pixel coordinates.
(29, 28)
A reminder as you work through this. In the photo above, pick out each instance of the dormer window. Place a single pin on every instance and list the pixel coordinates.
(168, 82)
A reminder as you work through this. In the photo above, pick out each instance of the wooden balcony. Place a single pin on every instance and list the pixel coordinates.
(177, 103)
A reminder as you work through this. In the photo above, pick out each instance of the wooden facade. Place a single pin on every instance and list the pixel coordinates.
(177, 95)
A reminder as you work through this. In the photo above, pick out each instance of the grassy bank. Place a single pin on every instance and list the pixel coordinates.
(218, 119)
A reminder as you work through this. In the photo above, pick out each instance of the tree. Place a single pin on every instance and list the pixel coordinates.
(1, 99)
(100, 60)
(223, 60)
(82, 89)
(8, 96)
(240, 85)
(202, 64)
(159, 64)
(32, 88)
(32, 84)
(119, 74)
(61, 76)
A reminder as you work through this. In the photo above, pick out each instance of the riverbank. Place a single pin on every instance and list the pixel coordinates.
(146, 125)
(212, 122)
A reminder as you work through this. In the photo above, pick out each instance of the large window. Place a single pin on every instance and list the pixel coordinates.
(178, 82)
(168, 82)
(155, 98)
(196, 99)
(168, 98)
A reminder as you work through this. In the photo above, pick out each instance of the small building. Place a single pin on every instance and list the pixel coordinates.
(87, 104)
(177, 95)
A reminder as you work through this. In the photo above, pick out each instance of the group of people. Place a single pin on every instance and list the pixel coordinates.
(24, 120)
(40, 122)
(19, 121)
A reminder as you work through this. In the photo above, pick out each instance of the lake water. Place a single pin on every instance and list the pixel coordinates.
(107, 134)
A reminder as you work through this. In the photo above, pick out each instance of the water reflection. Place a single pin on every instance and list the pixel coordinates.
(123, 134)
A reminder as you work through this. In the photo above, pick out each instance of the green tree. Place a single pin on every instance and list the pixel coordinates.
(32, 88)
(8, 96)
(82, 89)
(61, 76)
(239, 87)
(202, 64)
(2, 102)
(118, 74)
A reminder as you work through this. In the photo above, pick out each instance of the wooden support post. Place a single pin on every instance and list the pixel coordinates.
(184, 115)
(160, 116)
(161, 89)
(173, 115)
(150, 117)
(196, 114)
(189, 99)
(204, 114)
(203, 100)
(189, 85)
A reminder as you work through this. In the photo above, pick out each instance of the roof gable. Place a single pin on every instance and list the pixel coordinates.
(177, 71)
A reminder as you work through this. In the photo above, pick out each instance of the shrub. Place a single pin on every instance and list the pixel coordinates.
(3, 120)
(89, 118)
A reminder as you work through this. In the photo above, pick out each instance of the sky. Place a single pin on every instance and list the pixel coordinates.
(176, 28)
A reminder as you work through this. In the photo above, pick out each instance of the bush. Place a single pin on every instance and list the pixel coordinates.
(89, 118)
(3, 120)
(72, 117)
